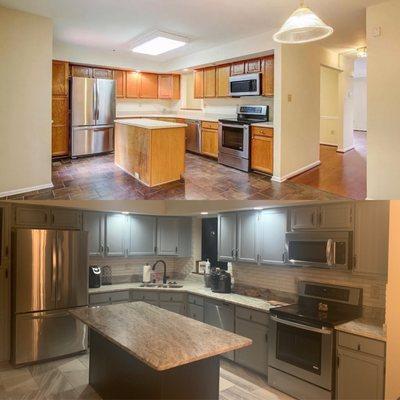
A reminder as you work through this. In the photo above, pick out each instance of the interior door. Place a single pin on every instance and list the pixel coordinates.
(83, 101)
(105, 94)
(72, 269)
(33, 268)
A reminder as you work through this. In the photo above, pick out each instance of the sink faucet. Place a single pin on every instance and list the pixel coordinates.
(165, 277)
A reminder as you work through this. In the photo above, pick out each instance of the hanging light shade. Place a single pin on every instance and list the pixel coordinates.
(303, 26)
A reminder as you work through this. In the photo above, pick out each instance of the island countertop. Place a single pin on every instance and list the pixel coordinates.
(148, 123)
(161, 339)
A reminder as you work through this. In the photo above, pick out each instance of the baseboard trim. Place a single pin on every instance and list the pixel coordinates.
(328, 144)
(26, 190)
(346, 149)
(295, 173)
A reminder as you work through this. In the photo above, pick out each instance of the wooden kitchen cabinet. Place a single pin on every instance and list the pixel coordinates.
(60, 126)
(209, 142)
(132, 85)
(238, 68)
(169, 87)
(148, 86)
(102, 73)
(199, 84)
(120, 84)
(268, 76)
(262, 150)
(60, 78)
(223, 74)
(81, 71)
(210, 82)
(253, 66)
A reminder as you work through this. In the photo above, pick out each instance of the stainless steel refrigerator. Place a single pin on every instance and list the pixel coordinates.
(50, 276)
(93, 113)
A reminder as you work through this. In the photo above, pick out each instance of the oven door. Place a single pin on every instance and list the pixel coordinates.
(234, 140)
(303, 351)
(319, 249)
(245, 85)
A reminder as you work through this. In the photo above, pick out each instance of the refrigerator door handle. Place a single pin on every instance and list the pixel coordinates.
(96, 112)
(54, 268)
(60, 256)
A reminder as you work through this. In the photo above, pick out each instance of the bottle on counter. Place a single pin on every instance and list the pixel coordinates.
(230, 271)
(208, 267)
(147, 273)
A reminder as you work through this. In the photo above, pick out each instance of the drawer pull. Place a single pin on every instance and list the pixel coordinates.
(251, 317)
(359, 347)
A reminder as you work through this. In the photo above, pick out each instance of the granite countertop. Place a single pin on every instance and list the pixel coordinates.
(197, 288)
(159, 338)
(264, 124)
(148, 123)
(182, 115)
(365, 328)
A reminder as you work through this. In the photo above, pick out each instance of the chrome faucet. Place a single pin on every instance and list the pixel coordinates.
(165, 277)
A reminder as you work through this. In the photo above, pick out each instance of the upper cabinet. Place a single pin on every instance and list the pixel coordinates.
(253, 66)
(268, 67)
(371, 237)
(132, 85)
(210, 82)
(247, 236)
(115, 235)
(227, 237)
(238, 68)
(167, 236)
(169, 87)
(199, 84)
(148, 86)
(338, 216)
(94, 223)
(142, 235)
(102, 73)
(222, 84)
(60, 78)
(80, 71)
(120, 84)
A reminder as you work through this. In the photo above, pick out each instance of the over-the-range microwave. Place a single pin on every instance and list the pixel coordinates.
(320, 249)
(245, 85)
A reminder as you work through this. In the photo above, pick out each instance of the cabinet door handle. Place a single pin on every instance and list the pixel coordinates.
(312, 219)
(101, 249)
(176, 249)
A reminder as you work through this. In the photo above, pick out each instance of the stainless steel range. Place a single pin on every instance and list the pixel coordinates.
(302, 341)
(234, 136)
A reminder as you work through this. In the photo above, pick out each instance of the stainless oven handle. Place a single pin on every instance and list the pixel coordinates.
(232, 126)
(324, 331)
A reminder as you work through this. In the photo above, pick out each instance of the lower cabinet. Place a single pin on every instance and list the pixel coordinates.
(109, 298)
(253, 325)
(178, 308)
(360, 368)
(150, 297)
(220, 315)
(173, 301)
(195, 307)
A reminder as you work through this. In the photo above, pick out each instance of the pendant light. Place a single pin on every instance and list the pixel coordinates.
(303, 26)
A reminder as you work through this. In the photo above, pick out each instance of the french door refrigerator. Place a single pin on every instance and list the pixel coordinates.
(50, 276)
(93, 113)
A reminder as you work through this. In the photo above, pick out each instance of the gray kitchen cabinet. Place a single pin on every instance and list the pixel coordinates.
(109, 298)
(254, 357)
(167, 236)
(359, 376)
(338, 216)
(141, 236)
(94, 224)
(247, 236)
(220, 315)
(28, 217)
(304, 218)
(115, 235)
(371, 238)
(66, 219)
(150, 297)
(227, 237)
(185, 237)
(178, 308)
(272, 230)
(195, 312)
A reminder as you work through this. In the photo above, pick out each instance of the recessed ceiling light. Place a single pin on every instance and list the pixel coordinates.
(257, 208)
(204, 213)
(158, 45)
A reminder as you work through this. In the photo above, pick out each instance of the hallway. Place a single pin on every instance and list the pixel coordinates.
(340, 174)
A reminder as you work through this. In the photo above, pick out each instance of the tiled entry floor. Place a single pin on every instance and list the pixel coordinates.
(67, 379)
(98, 178)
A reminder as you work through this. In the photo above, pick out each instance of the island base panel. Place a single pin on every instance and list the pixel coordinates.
(115, 374)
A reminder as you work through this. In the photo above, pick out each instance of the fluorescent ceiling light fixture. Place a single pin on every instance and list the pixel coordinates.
(257, 208)
(159, 45)
(303, 26)
(362, 52)
(204, 213)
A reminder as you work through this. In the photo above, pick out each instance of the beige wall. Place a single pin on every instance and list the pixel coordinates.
(392, 306)
(25, 101)
(383, 176)
(329, 123)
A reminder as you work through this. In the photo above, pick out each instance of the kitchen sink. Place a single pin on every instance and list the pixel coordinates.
(161, 286)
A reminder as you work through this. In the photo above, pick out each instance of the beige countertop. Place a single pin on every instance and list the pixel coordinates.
(159, 338)
(365, 328)
(197, 288)
(182, 115)
(148, 123)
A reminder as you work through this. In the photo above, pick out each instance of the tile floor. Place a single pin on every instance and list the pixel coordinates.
(341, 174)
(98, 178)
(67, 379)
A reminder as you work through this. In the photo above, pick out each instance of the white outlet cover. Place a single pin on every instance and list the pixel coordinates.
(377, 31)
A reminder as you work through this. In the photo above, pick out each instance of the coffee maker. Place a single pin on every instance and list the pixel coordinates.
(94, 277)
(221, 281)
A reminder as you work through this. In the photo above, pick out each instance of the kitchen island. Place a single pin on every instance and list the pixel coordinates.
(139, 351)
(151, 151)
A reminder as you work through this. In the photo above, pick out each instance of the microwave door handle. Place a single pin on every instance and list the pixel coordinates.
(323, 331)
(329, 245)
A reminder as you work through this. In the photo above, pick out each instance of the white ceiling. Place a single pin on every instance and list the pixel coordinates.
(112, 24)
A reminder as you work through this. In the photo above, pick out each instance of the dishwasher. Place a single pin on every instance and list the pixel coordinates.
(193, 136)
